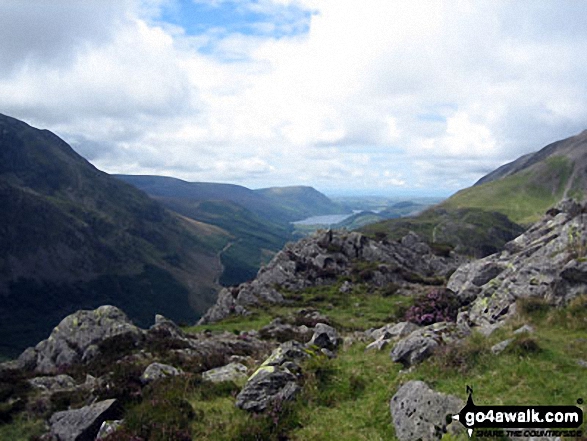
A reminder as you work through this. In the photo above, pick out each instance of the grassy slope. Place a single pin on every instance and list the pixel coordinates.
(523, 197)
(348, 397)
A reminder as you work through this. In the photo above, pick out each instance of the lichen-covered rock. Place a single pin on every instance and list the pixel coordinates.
(420, 413)
(82, 424)
(546, 262)
(275, 380)
(230, 372)
(269, 386)
(156, 371)
(75, 339)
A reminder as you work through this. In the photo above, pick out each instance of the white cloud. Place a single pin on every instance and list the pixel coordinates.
(380, 94)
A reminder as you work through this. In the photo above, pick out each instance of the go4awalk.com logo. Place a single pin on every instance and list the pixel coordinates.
(525, 421)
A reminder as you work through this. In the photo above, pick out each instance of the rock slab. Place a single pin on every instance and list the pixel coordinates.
(420, 413)
(82, 424)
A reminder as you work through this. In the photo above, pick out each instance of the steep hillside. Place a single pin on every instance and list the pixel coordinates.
(301, 202)
(526, 187)
(73, 237)
(253, 240)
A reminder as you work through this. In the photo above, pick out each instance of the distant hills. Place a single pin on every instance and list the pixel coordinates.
(480, 219)
(258, 221)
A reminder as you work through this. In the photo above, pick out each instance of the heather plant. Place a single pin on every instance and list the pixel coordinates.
(439, 305)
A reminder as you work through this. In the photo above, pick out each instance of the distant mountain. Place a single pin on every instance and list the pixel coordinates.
(301, 202)
(525, 188)
(73, 237)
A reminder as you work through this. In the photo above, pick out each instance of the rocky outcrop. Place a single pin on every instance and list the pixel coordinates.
(82, 424)
(546, 262)
(76, 339)
(420, 413)
(326, 256)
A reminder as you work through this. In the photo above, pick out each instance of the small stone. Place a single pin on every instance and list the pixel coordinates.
(156, 371)
(524, 329)
(108, 427)
(230, 372)
(325, 336)
(501, 346)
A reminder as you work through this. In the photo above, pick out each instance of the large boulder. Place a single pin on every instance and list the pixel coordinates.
(82, 424)
(76, 339)
(420, 413)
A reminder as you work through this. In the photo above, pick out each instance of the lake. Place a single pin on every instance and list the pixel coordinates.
(328, 219)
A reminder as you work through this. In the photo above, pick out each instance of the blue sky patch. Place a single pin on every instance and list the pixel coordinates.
(246, 17)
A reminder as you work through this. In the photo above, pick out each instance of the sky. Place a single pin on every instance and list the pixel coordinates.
(382, 97)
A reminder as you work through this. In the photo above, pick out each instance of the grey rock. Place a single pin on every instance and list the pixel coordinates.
(82, 424)
(394, 331)
(582, 363)
(52, 384)
(378, 344)
(326, 337)
(230, 372)
(524, 329)
(156, 371)
(420, 413)
(269, 386)
(413, 349)
(422, 343)
(501, 346)
(346, 287)
(75, 339)
(487, 330)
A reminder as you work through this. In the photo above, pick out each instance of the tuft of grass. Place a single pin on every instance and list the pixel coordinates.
(22, 428)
